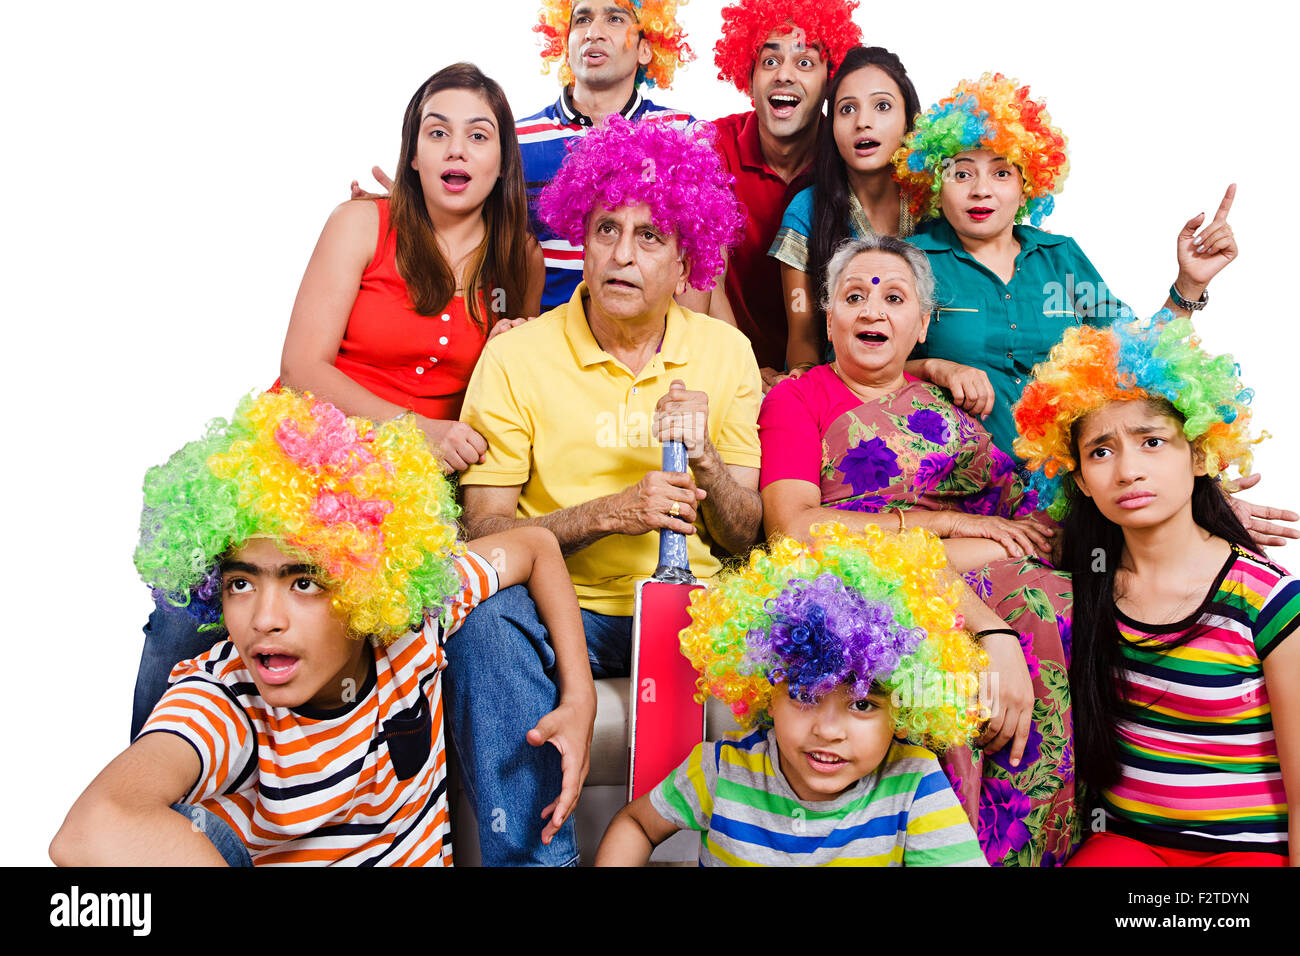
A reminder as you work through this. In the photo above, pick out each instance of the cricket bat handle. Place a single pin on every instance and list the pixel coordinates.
(674, 566)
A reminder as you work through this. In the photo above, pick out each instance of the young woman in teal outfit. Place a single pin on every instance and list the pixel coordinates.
(979, 162)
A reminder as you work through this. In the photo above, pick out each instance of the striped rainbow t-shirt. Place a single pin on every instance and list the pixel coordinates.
(903, 814)
(1198, 760)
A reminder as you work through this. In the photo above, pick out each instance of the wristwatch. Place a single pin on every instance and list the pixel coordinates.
(1187, 304)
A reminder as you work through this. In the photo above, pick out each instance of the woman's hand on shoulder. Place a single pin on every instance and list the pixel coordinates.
(381, 177)
(1259, 520)
(455, 444)
(970, 387)
(506, 325)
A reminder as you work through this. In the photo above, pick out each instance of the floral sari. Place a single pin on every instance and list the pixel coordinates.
(913, 449)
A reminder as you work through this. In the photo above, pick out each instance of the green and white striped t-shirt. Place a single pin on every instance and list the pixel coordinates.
(903, 814)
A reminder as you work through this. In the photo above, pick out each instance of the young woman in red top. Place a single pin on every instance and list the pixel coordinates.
(400, 296)
(401, 292)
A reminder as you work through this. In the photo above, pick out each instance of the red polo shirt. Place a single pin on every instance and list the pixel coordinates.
(754, 277)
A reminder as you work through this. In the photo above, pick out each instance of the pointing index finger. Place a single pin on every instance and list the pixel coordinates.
(1222, 214)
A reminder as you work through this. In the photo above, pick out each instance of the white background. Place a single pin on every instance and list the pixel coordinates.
(168, 166)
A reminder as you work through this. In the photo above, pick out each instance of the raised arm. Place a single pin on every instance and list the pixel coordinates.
(124, 818)
(1202, 255)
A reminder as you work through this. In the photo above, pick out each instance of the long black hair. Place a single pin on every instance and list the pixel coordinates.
(830, 177)
(1092, 546)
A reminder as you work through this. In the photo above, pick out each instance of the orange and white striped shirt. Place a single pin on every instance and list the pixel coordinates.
(364, 785)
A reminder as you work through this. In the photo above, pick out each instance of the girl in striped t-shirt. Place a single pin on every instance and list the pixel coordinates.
(1186, 689)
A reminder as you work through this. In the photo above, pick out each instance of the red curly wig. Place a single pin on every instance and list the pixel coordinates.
(826, 24)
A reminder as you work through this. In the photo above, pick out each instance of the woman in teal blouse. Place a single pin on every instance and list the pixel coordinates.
(977, 163)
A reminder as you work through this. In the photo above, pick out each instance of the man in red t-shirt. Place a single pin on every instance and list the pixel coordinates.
(782, 53)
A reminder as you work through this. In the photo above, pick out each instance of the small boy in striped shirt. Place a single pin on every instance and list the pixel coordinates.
(836, 650)
(326, 546)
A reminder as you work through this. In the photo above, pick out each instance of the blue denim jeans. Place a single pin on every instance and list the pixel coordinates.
(499, 682)
(171, 636)
(227, 842)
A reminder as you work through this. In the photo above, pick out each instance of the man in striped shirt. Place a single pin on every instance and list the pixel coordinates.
(313, 733)
(606, 53)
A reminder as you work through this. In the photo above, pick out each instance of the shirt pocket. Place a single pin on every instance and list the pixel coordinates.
(955, 333)
(409, 735)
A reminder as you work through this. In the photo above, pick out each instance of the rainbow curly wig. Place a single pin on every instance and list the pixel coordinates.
(992, 114)
(1130, 361)
(676, 172)
(826, 24)
(366, 505)
(851, 608)
(658, 22)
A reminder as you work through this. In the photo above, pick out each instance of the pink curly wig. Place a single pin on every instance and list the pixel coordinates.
(365, 504)
(1131, 361)
(746, 25)
(994, 114)
(676, 172)
(658, 22)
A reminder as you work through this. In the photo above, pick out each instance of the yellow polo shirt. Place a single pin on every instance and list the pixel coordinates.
(568, 422)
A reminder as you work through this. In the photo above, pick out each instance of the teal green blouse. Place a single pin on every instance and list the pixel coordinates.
(1007, 328)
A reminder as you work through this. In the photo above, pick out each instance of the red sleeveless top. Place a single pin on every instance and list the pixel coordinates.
(421, 362)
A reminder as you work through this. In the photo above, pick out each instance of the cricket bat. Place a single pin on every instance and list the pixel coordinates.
(666, 722)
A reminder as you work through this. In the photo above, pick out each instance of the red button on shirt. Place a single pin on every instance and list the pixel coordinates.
(754, 277)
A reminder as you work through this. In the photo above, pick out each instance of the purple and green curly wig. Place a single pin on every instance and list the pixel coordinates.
(870, 610)
(657, 20)
(1130, 361)
(367, 505)
(676, 172)
(994, 114)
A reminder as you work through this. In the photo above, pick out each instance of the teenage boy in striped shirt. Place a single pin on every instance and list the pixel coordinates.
(313, 734)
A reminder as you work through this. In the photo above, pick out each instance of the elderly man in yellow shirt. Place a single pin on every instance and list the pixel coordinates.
(574, 405)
